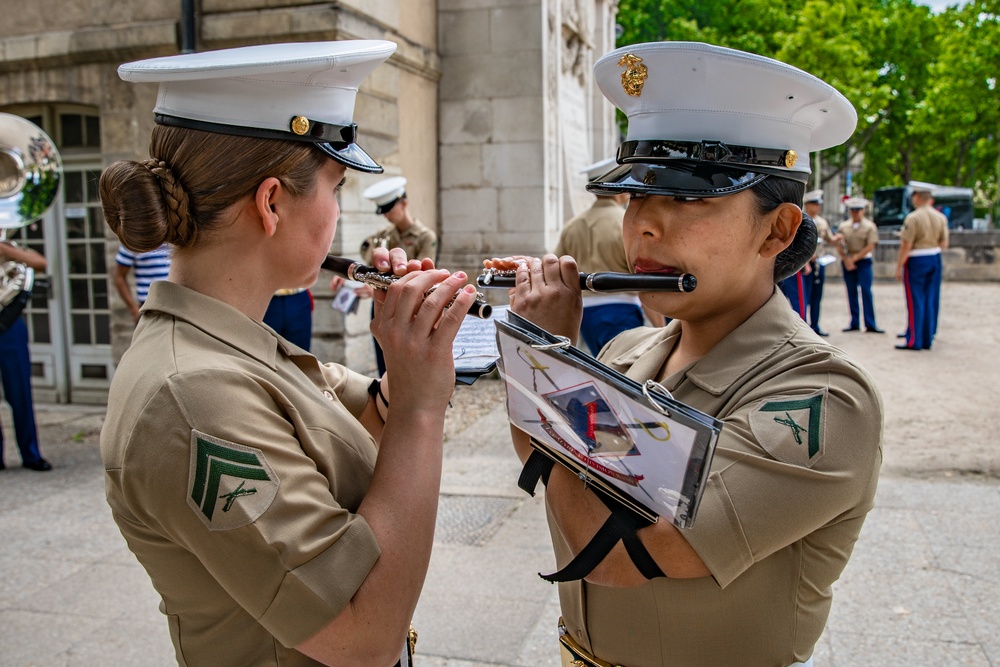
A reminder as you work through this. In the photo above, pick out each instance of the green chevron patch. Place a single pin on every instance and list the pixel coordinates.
(791, 429)
(229, 485)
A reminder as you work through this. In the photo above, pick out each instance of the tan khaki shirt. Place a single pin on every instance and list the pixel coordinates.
(779, 517)
(234, 467)
(857, 238)
(823, 235)
(419, 241)
(594, 240)
(925, 228)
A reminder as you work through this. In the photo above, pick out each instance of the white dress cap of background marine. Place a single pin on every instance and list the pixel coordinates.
(298, 92)
(592, 171)
(856, 203)
(386, 193)
(920, 186)
(707, 121)
(813, 197)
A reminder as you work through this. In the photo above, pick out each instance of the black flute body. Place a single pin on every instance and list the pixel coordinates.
(369, 275)
(605, 281)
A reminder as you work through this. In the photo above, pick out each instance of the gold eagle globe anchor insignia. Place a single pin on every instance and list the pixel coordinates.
(634, 76)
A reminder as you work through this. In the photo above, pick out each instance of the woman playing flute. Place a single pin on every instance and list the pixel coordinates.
(283, 511)
(716, 161)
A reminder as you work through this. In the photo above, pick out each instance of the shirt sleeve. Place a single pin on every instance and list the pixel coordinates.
(296, 565)
(755, 504)
(908, 232)
(350, 386)
(125, 257)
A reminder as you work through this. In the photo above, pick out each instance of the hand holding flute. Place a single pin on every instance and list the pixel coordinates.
(381, 280)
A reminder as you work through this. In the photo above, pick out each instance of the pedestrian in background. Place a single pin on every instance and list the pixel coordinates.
(594, 240)
(923, 236)
(860, 238)
(148, 267)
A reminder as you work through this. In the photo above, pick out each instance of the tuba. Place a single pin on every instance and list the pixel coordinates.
(30, 171)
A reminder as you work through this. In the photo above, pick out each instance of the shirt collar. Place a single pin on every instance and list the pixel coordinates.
(217, 319)
(733, 357)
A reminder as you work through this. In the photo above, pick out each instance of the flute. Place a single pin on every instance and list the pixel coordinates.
(374, 278)
(604, 281)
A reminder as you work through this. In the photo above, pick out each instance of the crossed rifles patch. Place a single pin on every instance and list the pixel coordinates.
(229, 485)
(792, 429)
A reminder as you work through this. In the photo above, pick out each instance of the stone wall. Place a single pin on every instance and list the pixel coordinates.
(518, 120)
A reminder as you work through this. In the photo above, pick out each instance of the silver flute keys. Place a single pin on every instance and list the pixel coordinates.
(375, 279)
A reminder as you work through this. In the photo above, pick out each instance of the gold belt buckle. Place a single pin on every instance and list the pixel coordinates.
(573, 655)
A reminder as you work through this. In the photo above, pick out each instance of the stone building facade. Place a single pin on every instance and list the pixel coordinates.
(488, 107)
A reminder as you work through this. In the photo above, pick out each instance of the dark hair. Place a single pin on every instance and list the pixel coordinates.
(771, 193)
(180, 193)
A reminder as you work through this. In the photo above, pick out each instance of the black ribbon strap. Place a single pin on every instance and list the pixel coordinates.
(538, 466)
(622, 525)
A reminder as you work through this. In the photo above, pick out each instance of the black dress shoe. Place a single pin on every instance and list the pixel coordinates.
(2, 466)
(41, 465)
(820, 332)
(874, 330)
(907, 347)
(852, 329)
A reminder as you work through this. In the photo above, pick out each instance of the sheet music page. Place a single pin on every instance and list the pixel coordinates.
(475, 348)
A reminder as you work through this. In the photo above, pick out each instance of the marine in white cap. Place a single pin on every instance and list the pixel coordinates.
(856, 253)
(404, 231)
(815, 270)
(283, 513)
(594, 239)
(715, 162)
(923, 236)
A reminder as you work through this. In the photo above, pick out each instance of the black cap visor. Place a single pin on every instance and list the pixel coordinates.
(382, 209)
(677, 178)
(342, 149)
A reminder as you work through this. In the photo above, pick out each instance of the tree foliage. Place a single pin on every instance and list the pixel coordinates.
(924, 85)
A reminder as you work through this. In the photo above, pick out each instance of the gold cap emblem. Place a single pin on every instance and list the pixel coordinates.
(791, 157)
(300, 125)
(634, 76)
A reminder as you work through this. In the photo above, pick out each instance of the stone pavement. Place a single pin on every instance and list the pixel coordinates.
(923, 587)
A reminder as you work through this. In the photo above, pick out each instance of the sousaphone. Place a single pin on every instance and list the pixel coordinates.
(30, 171)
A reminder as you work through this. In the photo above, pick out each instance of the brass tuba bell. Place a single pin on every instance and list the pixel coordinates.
(30, 172)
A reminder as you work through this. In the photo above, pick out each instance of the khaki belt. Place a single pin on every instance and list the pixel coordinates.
(573, 655)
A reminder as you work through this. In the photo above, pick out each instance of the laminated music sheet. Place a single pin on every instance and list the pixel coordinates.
(475, 348)
(635, 441)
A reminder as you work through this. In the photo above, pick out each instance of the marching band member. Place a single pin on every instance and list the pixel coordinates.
(283, 511)
(716, 161)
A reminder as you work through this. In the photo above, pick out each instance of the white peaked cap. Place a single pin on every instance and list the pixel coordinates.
(592, 171)
(385, 193)
(920, 186)
(301, 92)
(813, 196)
(715, 120)
(857, 202)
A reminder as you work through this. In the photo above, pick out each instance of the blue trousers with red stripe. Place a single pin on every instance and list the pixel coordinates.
(922, 282)
(797, 289)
